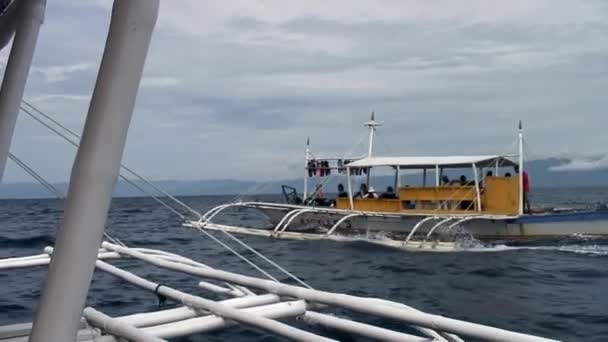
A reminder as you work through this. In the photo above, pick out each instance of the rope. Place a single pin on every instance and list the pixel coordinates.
(127, 180)
(54, 191)
(183, 217)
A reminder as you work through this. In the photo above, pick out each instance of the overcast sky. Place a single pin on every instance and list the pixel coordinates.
(232, 89)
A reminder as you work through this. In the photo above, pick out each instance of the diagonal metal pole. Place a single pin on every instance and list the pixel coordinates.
(95, 171)
(30, 14)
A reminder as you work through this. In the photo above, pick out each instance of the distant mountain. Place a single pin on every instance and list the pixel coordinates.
(541, 175)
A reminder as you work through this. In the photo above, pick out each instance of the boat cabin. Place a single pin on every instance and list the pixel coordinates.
(489, 195)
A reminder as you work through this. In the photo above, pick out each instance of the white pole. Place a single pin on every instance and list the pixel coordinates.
(217, 308)
(116, 327)
(521, 169)
(95, 171)
(437, 175)
(370, 146)
(370, 151)
(350, 188)
(372, 124)
(29, 19)
(307, 156)
(362, 305)
(477, 190)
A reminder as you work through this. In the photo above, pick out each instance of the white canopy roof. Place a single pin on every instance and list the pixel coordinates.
(431, 162)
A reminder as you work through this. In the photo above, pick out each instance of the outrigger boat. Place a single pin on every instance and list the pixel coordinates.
(429, 216)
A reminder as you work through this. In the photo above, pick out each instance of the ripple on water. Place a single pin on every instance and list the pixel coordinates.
(555, 289)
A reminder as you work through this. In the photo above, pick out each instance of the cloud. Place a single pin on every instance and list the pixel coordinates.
(58, 73)
(232, 89)
(582, 165)
(159, 82)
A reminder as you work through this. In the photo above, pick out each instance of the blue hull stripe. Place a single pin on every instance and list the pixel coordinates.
(565, 217)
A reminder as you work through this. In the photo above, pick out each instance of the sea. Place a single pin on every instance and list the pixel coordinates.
(556, 289)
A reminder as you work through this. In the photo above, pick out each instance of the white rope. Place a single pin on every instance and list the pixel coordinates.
(183, 217)
(127, 180)
(54, 191)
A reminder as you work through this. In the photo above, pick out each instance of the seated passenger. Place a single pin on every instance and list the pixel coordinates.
(463, 180)
(445, 181)
(362, 192)
(389, 194)
(341, 192)
(508, 174)
(371, 193)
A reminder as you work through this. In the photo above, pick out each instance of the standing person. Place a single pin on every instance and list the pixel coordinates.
(526, 181)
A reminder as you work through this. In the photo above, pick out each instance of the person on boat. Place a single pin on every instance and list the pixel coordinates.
(526, 181)
(482, 183)
(371, 193)
(463, 180)
(389, 194)
(508, 174)
(362, 191)
(341, 192)
(445, 181)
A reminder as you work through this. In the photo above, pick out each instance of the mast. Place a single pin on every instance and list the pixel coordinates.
(521, 168)
(371, 125)
(29, 19)
(307, 156)
(95, 171)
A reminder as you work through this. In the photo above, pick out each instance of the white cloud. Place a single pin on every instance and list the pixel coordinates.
(40, 99)
(237, 86)
(582, 165)
(57, 73)
(160, 82)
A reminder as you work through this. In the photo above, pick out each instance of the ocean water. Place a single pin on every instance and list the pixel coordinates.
(556, 289)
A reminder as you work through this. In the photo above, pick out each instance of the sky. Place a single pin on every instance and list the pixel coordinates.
(232, 89)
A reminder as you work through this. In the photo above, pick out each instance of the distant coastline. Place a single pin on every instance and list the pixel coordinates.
(540, 171)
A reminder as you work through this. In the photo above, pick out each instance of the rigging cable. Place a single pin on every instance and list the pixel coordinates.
(185, 206)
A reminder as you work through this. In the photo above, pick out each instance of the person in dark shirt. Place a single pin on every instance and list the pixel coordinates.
(389, 194)
(362, 191)
(463, 180)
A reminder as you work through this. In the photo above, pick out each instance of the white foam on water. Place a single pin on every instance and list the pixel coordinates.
(574, 248)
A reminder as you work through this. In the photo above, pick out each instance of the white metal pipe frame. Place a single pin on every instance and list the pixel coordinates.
(95, 171)
(259, 311)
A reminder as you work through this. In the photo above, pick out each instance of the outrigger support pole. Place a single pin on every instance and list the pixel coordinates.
(29, 19)
(95, 171)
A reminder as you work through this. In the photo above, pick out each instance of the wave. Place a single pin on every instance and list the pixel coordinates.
(27, 242)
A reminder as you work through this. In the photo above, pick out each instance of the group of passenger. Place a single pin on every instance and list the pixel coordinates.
(365, 192)
(370, 192)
